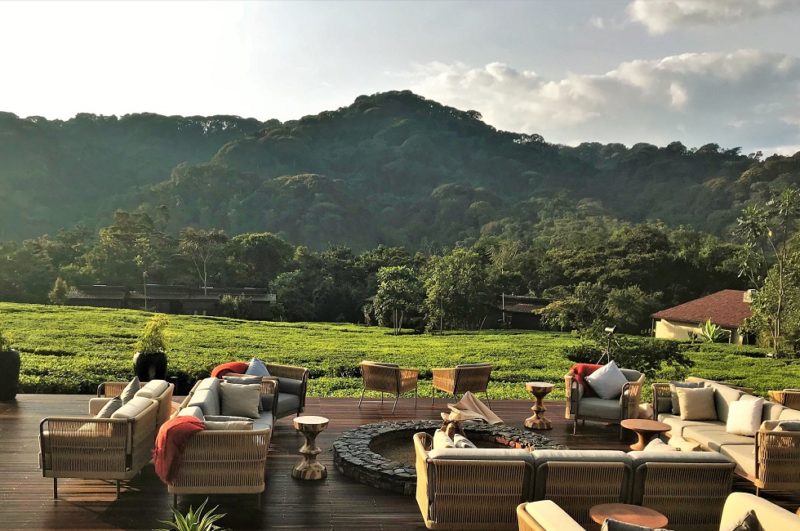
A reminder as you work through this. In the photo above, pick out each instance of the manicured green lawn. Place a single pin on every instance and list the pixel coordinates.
(72, 349)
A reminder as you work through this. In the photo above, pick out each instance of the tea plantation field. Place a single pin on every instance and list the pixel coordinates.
(72, 349)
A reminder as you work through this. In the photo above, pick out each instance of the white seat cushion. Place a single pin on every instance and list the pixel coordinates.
(743, 455)
(133, 408)
(599, 408)
(678, 425)
(715, 437)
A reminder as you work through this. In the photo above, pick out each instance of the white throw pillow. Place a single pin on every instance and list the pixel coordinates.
(744, 417)
(607, 381)
(441, 441)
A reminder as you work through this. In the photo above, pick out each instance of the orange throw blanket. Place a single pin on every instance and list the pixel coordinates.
(581, 371)
(238, 367)
(170, 442)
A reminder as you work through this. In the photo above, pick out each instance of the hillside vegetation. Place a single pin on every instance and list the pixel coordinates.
(71, 350)
(392, 168)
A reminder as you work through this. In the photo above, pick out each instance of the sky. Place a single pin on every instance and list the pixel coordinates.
(696, 71)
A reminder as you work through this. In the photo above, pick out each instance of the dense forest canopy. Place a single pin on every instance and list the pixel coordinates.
(392, 168)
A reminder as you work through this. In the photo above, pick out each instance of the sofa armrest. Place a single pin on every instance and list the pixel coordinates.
(661, 392)
(96, 404)
(574, 392)
(777, 454)
(545, 515)
(629, 399)
(770, 516)
(70, 442)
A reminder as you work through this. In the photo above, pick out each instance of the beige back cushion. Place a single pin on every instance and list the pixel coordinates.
(133, 408)
(240, 400)
(697, 404)
(153, 389)
(789, 414)
(723, 396)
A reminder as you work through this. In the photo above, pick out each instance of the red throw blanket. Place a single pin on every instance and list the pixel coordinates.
(580, 371)
(170, 442)
(238, 367)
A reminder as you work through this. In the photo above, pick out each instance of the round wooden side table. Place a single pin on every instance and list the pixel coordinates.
(309, 468)
(645, 430)
(539, 390)
(629, 514)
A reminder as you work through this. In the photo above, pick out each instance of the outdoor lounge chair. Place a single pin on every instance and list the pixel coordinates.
(473, 377)
(289, 385)
(388, 378)
(115, 448)
(615, 410)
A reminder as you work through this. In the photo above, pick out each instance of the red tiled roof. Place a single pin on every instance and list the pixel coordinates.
(725, 308)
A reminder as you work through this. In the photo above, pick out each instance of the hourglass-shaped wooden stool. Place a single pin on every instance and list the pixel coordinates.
(538, 421)
(309, 468)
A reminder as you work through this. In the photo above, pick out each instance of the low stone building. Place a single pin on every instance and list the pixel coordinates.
(727, 308)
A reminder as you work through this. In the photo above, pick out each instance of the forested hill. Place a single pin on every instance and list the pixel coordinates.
(392, 168)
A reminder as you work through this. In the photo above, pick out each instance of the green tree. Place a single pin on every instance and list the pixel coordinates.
(58, 295)
(400, 293)
(256, 258)
(201, 246)
(766, 231)
(456, 290)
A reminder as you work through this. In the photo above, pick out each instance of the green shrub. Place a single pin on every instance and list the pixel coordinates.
(583, 352)
(152, 339)
(651, 356)
(237, 306)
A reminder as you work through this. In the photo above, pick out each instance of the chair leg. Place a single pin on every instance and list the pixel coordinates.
(55, 488)
(433, 396)
(396, 398)
(415, 397)
(117, 489)
(175, 501)
(381, 397)
(574, 426)
(363, 389)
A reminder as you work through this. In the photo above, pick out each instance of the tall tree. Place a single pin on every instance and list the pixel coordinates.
(399, 294)
(200, 246)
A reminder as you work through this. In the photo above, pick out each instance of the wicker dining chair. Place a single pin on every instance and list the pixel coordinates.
(388, 378)
(472, 377)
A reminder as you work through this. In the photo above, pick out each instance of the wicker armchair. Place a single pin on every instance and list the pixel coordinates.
(615, 410)
(290, 389)
(114, 448)
(473, 377)
(388, 378)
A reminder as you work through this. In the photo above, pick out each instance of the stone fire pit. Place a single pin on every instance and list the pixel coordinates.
(382, 454)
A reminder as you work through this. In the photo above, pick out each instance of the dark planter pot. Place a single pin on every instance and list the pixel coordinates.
(150, 366)
(9, 375)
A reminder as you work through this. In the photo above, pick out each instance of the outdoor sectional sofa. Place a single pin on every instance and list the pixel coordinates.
(481, 488)
(223, 461)
(770, 459)
(115, 448)
(546, 515)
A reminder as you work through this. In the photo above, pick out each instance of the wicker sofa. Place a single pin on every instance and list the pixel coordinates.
(770, 459)
(546, 515)
(115, 448)
(223, 461)
(159, 390)
(476, 489)
(582, 407)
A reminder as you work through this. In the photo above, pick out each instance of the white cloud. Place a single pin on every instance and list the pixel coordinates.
(746, 98)
(661, 16)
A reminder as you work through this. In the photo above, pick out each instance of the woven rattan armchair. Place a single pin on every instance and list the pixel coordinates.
(615, 410)
(388, 378)
(91, 448)
(472, 377)
(291, 382)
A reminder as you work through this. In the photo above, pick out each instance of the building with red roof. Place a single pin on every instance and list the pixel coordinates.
(727, 308)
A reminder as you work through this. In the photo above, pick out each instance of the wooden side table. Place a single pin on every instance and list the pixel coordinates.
(630, 514)
(309, 468)
(645, 430)
(539, 390)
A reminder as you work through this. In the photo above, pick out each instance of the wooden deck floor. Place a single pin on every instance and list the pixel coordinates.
(335, 503)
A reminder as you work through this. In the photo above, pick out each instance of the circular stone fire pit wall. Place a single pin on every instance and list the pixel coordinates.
(355, 456)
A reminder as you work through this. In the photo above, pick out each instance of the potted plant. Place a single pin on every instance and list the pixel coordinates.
(9, 369)
(195, 520)
(150, 359)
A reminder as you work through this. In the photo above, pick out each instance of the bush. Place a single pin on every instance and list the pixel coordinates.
(237, 306)
(152, 339)
(649, 356)
(582, 352)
